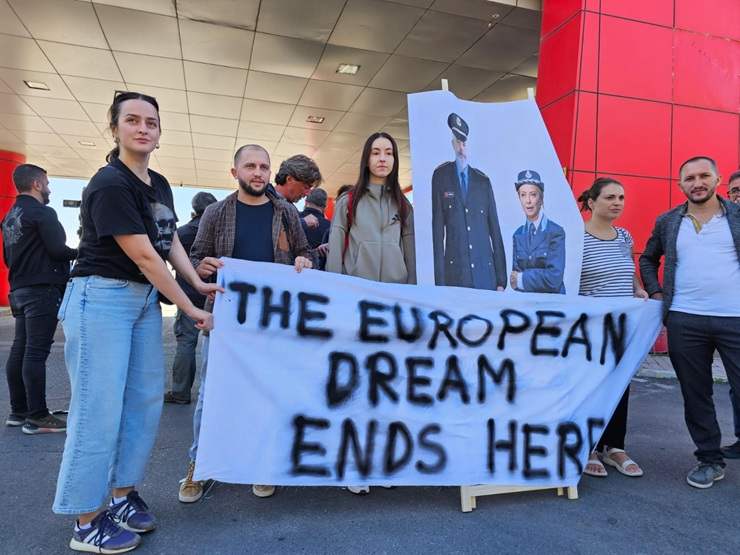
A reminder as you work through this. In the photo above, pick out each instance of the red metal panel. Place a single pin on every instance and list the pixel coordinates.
(584, 150)
(659, 12)
(579, 182)
(716, 17)
(588, 67)
(707, 71)
(559, 118)
(557, 12)
(8, 162)
(705, 132)
(633, 137)
(558, 65)
(645, 200)
(635, 59)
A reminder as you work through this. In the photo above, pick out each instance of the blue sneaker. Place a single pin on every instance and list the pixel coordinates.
(133, 514)
(104, 536)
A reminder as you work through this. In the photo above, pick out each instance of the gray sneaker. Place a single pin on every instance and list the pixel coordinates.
(47, 425)
(703, 475)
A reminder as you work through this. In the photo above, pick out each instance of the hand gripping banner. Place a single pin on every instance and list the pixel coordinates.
(324, 379)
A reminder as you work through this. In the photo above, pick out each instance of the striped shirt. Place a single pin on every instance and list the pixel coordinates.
(608, 269)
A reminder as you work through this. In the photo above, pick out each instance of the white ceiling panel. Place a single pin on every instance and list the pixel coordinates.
(301, 136)
(235, 13)
(361, 123)
(342, 141)
(325, 94)
(509, 87)
(528, 67)
(374, 25)
(151, 70)
(215, 44)
(97, 91)
(98, 113)
(214, 105)
(285, 148)
(155, 34)
(162, 7)
(20, 122)
(407, 74)
(173, 121)
(270, 146)
(73, 127)
(22, 53)
(56, 108)
(525, 18)
(209, 78)
(369, 62)
(174, 151)
(176, 163)
(40, 139)
(213, 154)
(266, 112)
(170, 100)
(13, 104)
(15, 78)
(466, 82)
(5, 88)
(317, 18)
(53, 151)
(442, 36)
(486, 10)
(9, 23)
(67, 21)
(398, 128)
(212, 166)
(176, 138)
(213, 126)
(260, 131)
(82, 61)
(74, 141)
(275, 54)
(332, 117)
(274, 87)
(379, 102)
(213, 141)
(512, 46)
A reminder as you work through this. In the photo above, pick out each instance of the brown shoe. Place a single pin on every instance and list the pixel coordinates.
(263, 491)
(190, 490)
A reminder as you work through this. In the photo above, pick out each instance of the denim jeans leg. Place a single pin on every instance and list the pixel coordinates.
(142, 400)
(198, 413)
(98, 316)
(183, 366)
(727, 333)
(735, 411)
(14, 364)
(691, 349)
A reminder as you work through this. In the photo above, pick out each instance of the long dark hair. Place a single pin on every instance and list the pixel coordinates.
(593, 192)
(391, 182)
(114, 113)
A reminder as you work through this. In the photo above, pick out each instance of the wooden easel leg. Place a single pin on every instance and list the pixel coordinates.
(573, 492)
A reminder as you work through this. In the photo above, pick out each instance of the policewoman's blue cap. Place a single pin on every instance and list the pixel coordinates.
(529, 177)
(458, 126)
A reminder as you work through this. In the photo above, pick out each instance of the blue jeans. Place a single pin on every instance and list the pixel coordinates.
(198, 413)
(115, 361)
(183, 367)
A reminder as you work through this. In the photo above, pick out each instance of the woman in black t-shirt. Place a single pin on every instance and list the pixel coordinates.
(113, 325)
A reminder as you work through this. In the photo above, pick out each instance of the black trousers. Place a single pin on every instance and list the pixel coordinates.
(692, 340)
(615, 431)
(35, 311)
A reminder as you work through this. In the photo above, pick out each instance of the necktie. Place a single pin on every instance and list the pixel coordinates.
(531, 230)
(464, 184)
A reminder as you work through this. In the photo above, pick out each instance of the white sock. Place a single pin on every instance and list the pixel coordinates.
(117, 500)
(79, 526)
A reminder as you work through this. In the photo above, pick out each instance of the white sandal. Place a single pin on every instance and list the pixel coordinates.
(621, 468)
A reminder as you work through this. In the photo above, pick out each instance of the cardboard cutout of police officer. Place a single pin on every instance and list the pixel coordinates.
(539, 244)
(466, 237)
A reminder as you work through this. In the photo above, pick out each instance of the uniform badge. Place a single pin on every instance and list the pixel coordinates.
(449, 194)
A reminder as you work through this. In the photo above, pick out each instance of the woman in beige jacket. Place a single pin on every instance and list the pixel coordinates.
(372, 232)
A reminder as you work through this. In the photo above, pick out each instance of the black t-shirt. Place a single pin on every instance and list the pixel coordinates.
(253, 238)
(116, 202)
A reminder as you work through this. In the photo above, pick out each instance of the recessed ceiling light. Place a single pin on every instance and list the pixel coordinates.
(37, 85)
(348, 69)
(86, 143)
(315, 119)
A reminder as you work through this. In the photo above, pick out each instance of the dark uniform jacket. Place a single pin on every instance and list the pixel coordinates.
(186, 233)
(540, 258)
(662, 242)
(468, 247)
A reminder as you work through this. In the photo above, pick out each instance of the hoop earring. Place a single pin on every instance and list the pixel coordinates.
(156, 146)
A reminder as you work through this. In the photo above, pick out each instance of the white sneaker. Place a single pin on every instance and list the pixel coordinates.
(359, 490)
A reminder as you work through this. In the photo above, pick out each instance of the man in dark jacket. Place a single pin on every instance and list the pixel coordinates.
(700, 240)
(466, 237)
(35, 252)
(186, 334)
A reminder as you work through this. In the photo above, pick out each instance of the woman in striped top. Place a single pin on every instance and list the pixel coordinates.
(608, 270)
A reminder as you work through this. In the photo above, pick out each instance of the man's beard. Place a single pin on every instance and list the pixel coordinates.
(710, 194)
(45, 196)
(247, 188)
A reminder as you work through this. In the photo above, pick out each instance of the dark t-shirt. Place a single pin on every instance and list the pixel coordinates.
(116, 202)
(253, 238)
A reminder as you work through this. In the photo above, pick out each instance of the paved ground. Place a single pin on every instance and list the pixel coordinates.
(658, 513)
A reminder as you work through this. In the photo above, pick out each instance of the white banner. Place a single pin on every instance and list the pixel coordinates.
(324, 379)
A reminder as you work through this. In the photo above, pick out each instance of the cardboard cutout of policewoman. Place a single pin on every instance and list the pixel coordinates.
(492, 208)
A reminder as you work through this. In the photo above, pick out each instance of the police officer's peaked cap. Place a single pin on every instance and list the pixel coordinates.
(458, 126)
(529, 177)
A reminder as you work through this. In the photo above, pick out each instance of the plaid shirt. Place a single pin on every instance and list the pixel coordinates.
(217, 231)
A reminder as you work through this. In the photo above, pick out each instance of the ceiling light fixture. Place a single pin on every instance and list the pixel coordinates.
(86, 143)
(348, 69)
(37, 85)
(315, 119)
